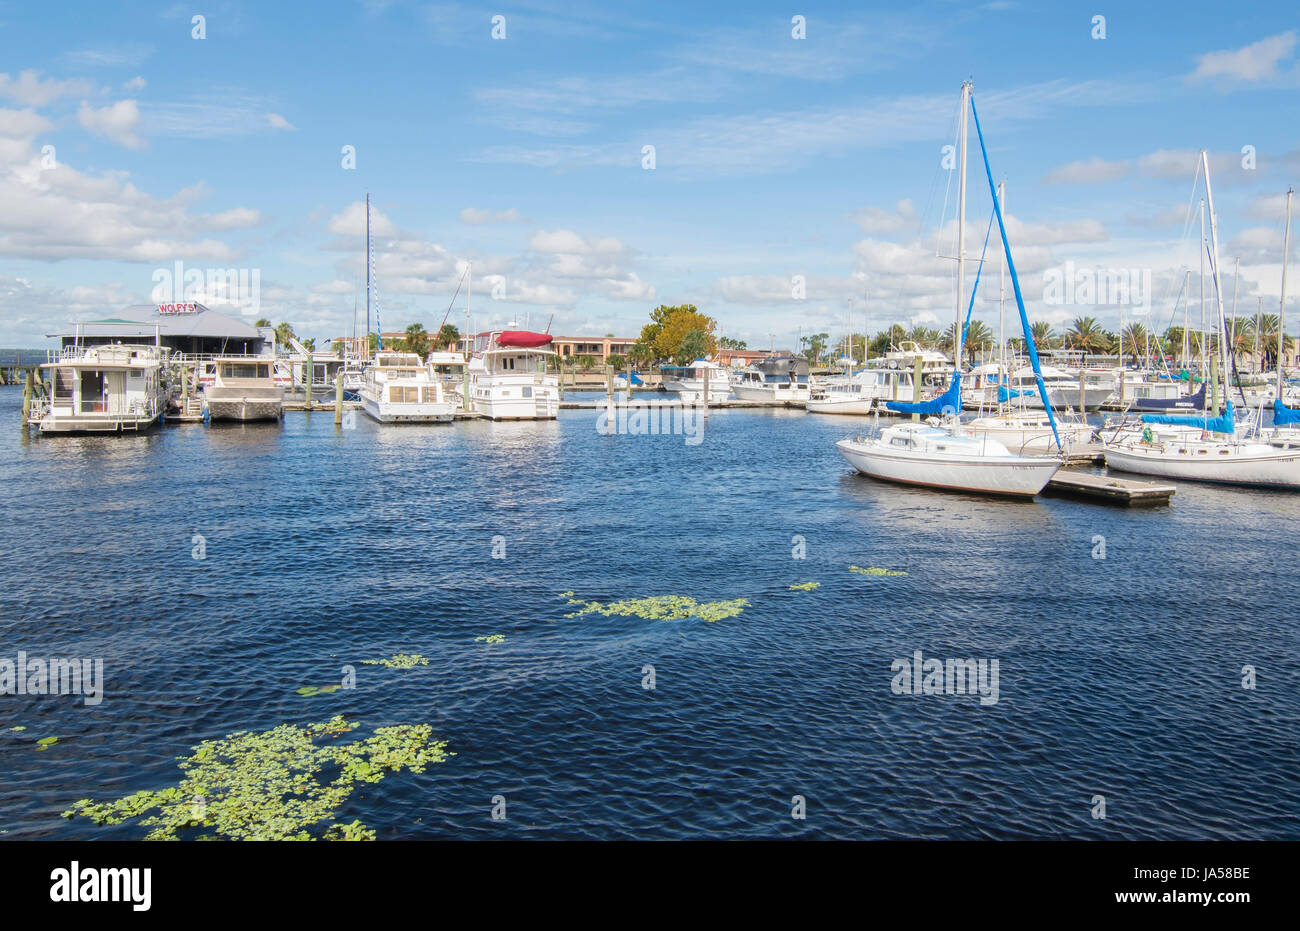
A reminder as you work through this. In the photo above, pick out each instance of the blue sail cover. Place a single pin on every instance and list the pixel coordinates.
(1224, 423)
(947, 403)
(1005, 394)
(1015, 280)
(1284, 415)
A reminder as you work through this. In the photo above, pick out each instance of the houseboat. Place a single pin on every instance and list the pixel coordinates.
(688, 381)
(106, 388)
(243, 388)
(780, 379)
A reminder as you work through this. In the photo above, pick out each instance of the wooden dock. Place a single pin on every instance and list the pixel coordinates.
(1109, 489)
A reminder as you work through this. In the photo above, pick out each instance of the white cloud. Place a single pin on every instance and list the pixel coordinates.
(30, 91)
(1255, 62)
(351, 221)
(876, 221)
(477, 217)
(567, 242)
(279, 122)
(117, 121)
(1093, 171)
(135, 84)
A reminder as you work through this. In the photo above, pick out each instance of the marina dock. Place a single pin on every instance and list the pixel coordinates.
(1110, 489)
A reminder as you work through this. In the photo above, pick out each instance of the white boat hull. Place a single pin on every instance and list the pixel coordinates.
(1240, 464)
(1015, 476)
(772, 394)
(388, 412)
(856, 406)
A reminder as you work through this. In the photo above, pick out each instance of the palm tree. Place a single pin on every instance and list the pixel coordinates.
(417, 339)
(978, 337)
(1086, 334)
(1042, 333)
(284, 333)
(1135, 339)
(1268, 324)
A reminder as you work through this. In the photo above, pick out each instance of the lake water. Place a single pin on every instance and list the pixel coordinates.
(1119, 677)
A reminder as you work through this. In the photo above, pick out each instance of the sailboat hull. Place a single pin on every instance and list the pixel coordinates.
(1012, 476)
(1252, 464)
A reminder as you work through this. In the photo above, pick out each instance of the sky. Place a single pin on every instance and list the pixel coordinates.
(796, 181)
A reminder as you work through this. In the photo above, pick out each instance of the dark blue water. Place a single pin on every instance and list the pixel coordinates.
(1118, 677)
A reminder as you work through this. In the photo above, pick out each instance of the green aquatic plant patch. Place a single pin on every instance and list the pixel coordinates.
(872, 570)
(662, 608)
(805, 586)
(280, 784)
(398, 661)
(491, 638)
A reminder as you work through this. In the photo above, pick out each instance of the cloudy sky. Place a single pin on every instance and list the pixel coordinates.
(127, 145)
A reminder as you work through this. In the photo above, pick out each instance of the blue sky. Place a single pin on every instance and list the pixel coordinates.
(775, 156)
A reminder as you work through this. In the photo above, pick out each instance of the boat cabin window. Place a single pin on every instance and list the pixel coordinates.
(245, 370)
(64, 382)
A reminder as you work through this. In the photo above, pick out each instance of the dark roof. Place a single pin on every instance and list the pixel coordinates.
(140, 320)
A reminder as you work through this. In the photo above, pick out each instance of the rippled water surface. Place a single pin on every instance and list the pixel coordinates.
(1118, 677)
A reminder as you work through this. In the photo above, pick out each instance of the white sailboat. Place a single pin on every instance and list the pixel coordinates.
(948, 456)
(1205, 448)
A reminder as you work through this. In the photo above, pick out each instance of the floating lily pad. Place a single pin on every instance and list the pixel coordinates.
(398, 661)
(20, 727)
(309, 690)
(491, 638)
(872, 570)
(280, 784)
(46, 742)
(805, 586)
(663, 607)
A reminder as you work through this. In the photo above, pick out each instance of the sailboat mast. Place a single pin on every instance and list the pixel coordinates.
(367, 274)
(1281, 307)
(961, 226)
(1207, 184)
(1002, 297)
(1214, 268)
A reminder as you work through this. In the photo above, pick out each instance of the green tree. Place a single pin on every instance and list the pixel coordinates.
(615, 360)
(262, 321)
(669, 325)
(1043, 336)
(1086, 334)
(814, 345)
(979, 338)
(417, 340)
(284, 333)
(641, 353)
(585, 362)
(727, 342)
(448, 336)
(693, 345)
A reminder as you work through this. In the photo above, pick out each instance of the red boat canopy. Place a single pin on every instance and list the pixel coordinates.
(523, 339)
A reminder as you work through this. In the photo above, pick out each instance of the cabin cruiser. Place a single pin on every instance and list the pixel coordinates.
(780, 379)
(688, 381)
(863, 392)
(400, 389)
(509, 377)
(1030, 432)
(1021, 386)
(452, 371)
(107, 388)
(243, 388)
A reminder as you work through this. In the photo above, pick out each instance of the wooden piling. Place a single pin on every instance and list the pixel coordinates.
(27, 397)
(916, 383)
(308, 376)
(338, 398)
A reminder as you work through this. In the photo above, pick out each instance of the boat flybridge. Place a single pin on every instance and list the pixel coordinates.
(942, 452)
(688, 381)
(863, 392)
(399, 388)
(452, 371)
(106, 388)
(1210, 446)
(778, 379)
(509, 377)
(244, 388)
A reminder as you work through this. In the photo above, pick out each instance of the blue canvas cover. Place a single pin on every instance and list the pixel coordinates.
(1224, 423)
